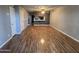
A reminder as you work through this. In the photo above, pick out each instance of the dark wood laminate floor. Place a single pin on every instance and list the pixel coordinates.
(42, 39)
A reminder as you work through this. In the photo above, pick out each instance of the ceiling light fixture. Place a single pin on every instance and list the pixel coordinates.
(43, 11)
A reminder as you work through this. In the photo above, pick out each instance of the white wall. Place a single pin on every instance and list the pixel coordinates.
(5, 28)
(23, 18)
(66, 19)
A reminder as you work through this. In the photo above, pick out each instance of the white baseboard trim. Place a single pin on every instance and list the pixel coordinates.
(6, 41)
(41, 24)
(11, 38)
(66, 34)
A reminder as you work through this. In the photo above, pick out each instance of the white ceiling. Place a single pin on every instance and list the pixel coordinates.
(39, 7)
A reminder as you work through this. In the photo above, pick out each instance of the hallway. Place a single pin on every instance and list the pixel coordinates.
(42, 39)
(39, 29)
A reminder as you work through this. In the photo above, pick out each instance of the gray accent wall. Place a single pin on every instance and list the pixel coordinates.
(66, 19)
(5, 28)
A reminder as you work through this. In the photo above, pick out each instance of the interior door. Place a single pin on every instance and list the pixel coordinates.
(13, 20)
